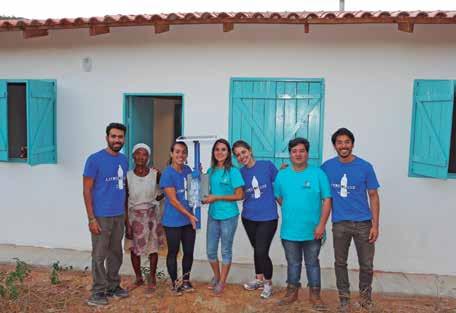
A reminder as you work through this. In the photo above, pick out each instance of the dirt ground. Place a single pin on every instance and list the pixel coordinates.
(38, 295)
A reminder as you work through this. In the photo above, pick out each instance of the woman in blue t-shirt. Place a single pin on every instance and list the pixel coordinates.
(178, 219)
(259, 213)
(225, 189)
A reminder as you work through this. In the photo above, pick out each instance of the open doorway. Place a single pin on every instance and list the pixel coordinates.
(154, 119)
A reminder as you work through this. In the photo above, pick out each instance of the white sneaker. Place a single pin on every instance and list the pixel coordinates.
(267, 291)
(254, 285)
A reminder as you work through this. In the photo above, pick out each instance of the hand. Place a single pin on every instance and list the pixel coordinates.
(94, 227)
(193, 220)
(284, 165)
(128, 231)
(319, 232)
(209, 199)
(373, 234)
(160, 197)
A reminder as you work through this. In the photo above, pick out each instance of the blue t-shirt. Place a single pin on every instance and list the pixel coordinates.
(223, 182)
(108, 173)
(177, 180)
(259, 202)
(302, 194)
(349, 185)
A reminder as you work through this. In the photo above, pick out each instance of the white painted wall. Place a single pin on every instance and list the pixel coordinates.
(368, 72)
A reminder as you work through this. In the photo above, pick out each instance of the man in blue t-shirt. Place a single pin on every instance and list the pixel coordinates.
(104, 197)
(304, 194)
(354, 216)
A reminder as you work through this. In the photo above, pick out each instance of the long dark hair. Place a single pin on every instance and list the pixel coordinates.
(228, 162)
(172, 149)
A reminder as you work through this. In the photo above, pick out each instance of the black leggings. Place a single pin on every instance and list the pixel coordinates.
(174, 236)
(260, 235)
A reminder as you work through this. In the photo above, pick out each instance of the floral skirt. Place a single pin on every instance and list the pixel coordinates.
(147, 232)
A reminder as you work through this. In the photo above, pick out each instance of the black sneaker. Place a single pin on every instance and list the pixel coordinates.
(177, 290)
(98, 298)
(117, 292)
(187, 286)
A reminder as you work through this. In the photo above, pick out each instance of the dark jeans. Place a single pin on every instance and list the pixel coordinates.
(107, 246)
(260, 236)
(343, 232)
(293, 253)
(174, 236)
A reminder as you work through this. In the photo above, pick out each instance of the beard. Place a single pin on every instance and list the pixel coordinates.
(114, 147)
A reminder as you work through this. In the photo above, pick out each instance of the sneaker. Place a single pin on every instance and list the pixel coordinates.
(218, 290)
(98, 298)
(212, 283)
(117, 292)
(267, 291)
(187, 286)
(254, 285)
(177, 290)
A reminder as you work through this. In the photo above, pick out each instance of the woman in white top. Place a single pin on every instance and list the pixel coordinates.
(142, 220)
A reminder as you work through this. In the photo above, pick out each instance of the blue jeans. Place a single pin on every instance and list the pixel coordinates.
(293, 252)
(220, 230)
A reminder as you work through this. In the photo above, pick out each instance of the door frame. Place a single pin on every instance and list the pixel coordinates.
(146, 94)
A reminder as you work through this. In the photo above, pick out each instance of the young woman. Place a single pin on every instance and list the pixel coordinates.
(178, 219)
(141, 218)
(259, 213)
(225, 189)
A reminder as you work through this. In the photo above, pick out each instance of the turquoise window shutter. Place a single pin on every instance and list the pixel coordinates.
(268, 113)
(41, 128)
(253, 116)
(431, 128)
(3, 121)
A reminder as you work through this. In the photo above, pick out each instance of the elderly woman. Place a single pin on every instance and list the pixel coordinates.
(142, 220)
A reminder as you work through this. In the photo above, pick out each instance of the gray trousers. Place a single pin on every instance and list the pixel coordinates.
(107, 246)
(343, 233)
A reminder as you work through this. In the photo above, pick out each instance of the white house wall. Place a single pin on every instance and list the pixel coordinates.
(368, 72)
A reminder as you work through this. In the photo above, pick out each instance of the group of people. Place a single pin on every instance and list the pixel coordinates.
(118, 200)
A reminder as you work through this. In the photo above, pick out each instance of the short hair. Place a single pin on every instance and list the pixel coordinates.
(119, 126)
(297, 141)
(341, 132)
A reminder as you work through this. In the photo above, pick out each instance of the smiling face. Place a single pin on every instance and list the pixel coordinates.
(179, 154)
(115, 139)
(243, 155)
(141, 157)
(343, 146)
(221, 152)
(299, 155)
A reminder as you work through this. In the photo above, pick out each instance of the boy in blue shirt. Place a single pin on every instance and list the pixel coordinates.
(352, 181)
(104, 196)
(304, 194)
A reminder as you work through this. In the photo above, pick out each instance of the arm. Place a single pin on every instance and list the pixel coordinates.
(325, 212)
(87, 185)
(238, 195)
(374, 201)
(160, 195)
(128, 230)
(279, 201)
(171, 194)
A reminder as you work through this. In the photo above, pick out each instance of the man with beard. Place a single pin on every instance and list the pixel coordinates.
(355, 217)
(104, 197)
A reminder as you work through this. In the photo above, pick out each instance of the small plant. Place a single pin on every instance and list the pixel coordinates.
(56, 268)
(11, 283)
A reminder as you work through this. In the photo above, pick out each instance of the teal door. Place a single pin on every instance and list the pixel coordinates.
(139, 115)
(267, 113)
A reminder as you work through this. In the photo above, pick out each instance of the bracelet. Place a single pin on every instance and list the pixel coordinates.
(92, 219)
